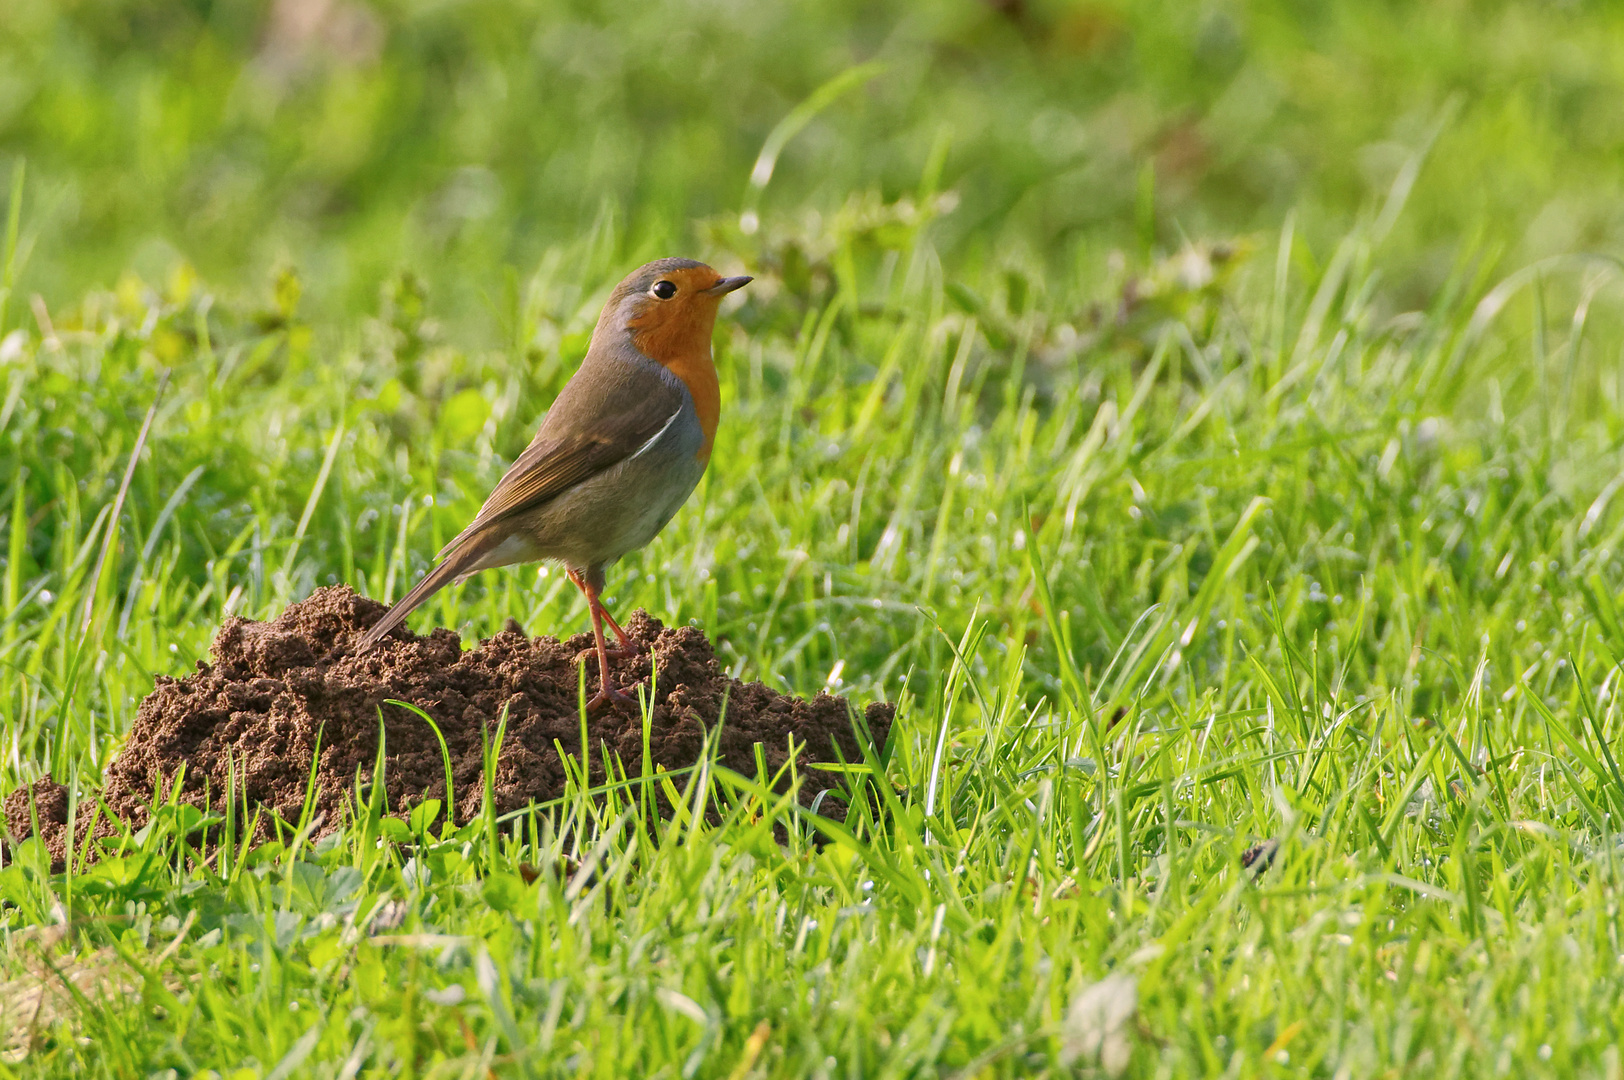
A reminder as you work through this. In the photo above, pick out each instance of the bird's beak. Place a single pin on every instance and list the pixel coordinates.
(727, 285)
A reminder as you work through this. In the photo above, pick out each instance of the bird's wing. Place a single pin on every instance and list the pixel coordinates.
(557, 461)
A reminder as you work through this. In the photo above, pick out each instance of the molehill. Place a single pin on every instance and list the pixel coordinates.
(281, 691)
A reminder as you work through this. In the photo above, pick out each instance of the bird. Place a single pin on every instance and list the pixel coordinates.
(618, 453)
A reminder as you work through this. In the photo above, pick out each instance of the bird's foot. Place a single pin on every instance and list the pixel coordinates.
(630, 650)
(613, 654)
(607, 695)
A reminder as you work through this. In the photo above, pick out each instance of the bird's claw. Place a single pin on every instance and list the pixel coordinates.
(608, 695)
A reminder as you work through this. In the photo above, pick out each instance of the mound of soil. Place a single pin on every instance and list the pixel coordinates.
(280, 692)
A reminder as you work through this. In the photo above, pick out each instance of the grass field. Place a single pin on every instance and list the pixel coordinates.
(1301, 528)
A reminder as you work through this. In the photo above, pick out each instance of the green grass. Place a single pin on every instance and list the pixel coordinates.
(1307, 531)
(464, 137)
(1349, 574)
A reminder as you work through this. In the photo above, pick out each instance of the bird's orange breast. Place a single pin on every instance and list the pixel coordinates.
(683, 345)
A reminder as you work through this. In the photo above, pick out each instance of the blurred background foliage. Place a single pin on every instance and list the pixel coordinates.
(465, 139)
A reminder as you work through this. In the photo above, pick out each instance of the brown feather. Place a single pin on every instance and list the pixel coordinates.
(435, 580)
(550, 466)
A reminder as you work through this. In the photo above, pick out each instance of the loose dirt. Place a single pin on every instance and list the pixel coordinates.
(280, 692)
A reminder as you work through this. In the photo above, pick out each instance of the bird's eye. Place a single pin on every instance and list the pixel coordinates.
(663, 290)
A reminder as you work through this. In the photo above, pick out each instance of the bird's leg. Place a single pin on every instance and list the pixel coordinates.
(606, 692)
(628, 647)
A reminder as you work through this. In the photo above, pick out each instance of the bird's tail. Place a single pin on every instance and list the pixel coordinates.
(462, 561)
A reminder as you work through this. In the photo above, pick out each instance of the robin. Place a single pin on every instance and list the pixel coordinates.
(622, 448)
